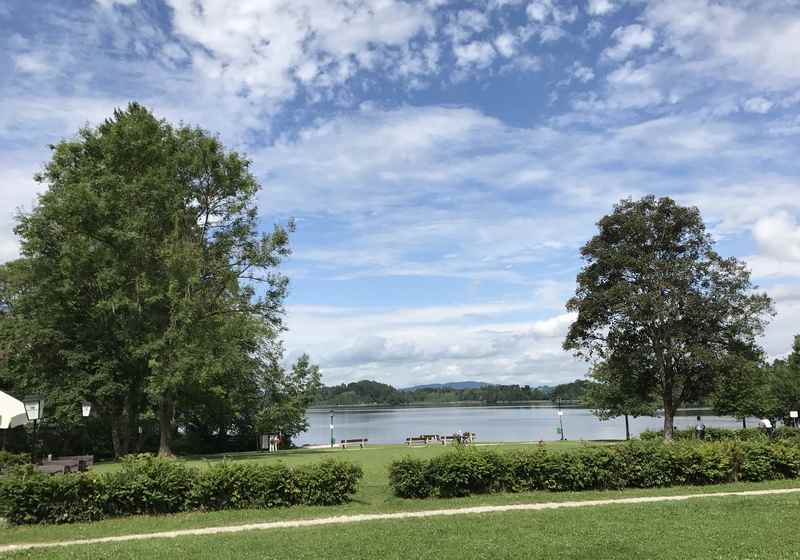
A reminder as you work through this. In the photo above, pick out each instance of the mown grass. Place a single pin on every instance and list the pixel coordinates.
(712, 528)
(374, 496)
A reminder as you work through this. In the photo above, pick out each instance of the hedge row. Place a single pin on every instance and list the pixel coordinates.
(634, 464)
(148, 485)
(10, 460)
(784, 433)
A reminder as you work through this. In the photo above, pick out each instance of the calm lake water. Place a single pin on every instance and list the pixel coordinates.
(490, 423)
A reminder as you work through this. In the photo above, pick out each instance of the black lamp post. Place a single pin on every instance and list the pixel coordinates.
(34, 405)
(86, 411)
(332, 438)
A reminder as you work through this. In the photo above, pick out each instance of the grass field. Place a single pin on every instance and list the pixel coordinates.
(374, 496)
(715, 528)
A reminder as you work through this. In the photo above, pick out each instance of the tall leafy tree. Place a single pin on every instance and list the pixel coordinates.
(145, 258)
(608, 399)
(655, 301)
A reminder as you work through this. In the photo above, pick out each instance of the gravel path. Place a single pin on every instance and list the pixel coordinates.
(342, 519)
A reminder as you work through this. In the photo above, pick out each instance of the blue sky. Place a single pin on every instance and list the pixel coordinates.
(444, 160)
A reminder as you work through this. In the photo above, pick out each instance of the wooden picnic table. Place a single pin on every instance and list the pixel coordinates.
(362, 442)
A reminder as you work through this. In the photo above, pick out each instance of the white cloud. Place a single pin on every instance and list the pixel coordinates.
(600, 7)
(628, 39)
(477, 53)
(752, 42)
(757, 105)
(32, 63)
(778, 236)
(254, 48)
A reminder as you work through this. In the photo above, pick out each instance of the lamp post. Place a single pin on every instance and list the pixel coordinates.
(86, 411)
(33, 410)
(332, 439)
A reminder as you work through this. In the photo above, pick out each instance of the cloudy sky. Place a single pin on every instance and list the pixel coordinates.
(444, 160)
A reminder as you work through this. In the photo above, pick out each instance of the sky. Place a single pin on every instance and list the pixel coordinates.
(444, 160)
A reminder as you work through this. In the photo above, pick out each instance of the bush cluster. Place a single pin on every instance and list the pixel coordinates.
(9, 460)
(784, 433)
(149, 485)
(637, 464)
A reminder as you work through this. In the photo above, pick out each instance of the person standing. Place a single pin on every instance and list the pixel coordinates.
(700, 429)
(766, 424)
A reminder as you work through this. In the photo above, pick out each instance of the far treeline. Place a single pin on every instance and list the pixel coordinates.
(372, 392)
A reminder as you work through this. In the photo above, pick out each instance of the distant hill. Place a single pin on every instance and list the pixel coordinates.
(458, 385)
(367, 392)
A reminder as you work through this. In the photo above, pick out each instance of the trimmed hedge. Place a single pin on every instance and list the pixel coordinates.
(148, 485)
(635, 464)
(784, 433)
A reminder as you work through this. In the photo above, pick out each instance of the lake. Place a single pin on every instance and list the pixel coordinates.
(490, 423)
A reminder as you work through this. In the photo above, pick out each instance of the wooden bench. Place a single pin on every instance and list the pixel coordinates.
(362, 442)
(411, 441)
(466, 437)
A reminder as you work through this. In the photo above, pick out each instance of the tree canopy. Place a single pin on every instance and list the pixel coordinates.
(145, 282)
(660, 306)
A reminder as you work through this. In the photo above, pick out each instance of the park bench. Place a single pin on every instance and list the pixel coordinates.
(411, 441)
(362, 442)
(429, 437)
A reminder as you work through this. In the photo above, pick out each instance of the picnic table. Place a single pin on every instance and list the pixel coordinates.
(67, 464)
(362, 442)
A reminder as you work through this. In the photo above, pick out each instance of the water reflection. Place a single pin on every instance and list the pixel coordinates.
(491, 423)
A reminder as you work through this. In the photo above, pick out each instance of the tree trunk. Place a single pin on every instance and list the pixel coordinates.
(744, 423)
(166, 413)
(627, 429)
(669, 418)
(119, 437)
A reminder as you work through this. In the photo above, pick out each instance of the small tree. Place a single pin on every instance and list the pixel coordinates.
(658, 304)
(785, 383)
(287, 395)
(743, 390)
(608, 399)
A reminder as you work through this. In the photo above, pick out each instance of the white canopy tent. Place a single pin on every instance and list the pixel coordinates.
(12, 412)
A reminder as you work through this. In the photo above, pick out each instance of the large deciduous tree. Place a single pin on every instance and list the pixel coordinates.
(656, 302)
(146, 270)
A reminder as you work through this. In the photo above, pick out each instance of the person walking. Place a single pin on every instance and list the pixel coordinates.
(700, 429)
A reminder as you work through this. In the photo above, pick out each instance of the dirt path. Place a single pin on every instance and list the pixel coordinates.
(381, 516)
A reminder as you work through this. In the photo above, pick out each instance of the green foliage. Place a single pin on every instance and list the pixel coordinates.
(660, 306)
(146, 485)
(328, 483)
(9, 460)
(150, 485)
(229, 485)
(408, 479)
(637, 464)
(715, 434)
(145, 283)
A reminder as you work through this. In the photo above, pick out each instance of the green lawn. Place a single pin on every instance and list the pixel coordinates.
(373, 496)
(715, 528)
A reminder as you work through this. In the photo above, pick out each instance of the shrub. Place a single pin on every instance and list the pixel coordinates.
(638, 464)
(33, 497)
(9, 460)
(146, 484)
(229, 485)
(466, 471)
(149, 485)
(408, 479)
(328, 483)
